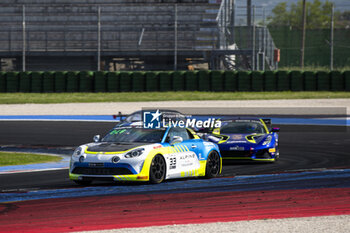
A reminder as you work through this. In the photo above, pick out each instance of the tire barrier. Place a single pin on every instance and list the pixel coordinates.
(257, 81)
(217, 81)
(270, 83)
(230, 83)
(347, 80)
(86, 81)
(191, 81)
(296, 81)
(165, 81)
(310, 81)
(179, 80)
(72, 81)
(100, 81)
(125, 81)
(60, 81)
(283, 83)
(337, 81)
(24, 82)
(244, 81)
(113, 84)
(323, 81)
(152, 81)
(37, 82)
(204, 80)
(12, 82)
(138, 81)
(48, 82)
(2, 82)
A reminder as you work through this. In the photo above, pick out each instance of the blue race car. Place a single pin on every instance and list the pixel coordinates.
(249, 139)
(133, 153)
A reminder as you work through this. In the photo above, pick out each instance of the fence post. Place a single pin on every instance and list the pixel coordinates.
(24, 38)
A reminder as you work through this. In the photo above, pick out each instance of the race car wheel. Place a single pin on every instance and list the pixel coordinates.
(83, 182)
(213, 165)
(157, 170)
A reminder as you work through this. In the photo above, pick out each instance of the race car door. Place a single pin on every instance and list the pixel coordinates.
(183, 161)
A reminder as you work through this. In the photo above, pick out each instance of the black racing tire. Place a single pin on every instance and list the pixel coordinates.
(213, 166)
(157, 170)
(83, 182)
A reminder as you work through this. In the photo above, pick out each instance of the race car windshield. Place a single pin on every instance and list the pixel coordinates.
(134, 117)
(242, 128)
(134, 135)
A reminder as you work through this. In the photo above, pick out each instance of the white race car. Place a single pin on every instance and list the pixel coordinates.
(133, 153)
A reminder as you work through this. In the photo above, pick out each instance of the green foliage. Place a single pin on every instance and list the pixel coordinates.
(318, 14)
(281, 16)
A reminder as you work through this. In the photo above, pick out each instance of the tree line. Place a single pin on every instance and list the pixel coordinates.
(318, 15)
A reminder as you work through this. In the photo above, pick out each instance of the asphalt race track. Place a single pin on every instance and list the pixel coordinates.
(302, 148)
(312, 178)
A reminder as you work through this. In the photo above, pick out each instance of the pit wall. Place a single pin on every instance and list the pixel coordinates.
(216, 81)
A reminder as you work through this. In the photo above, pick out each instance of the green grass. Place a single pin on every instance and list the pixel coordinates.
(46, 98)
(11, 158)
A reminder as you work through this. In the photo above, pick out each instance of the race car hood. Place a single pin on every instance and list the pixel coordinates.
(245, 138)
(114, 147)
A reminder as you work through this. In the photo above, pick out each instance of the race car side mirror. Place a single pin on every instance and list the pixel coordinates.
(97, 138)
(176, 139)
(275, 130)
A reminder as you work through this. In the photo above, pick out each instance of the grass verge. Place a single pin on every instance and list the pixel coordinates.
(11, 158)
(48, 98)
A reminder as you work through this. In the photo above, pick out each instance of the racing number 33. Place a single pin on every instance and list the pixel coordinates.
(172, 164)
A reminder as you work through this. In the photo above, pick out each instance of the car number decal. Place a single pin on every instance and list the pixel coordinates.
(172, 164)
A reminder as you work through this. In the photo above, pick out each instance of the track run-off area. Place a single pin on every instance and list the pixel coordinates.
(312, 178)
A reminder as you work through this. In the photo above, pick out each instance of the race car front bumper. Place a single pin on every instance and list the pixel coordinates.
(106, 171)
(267, 155)
(137, 177)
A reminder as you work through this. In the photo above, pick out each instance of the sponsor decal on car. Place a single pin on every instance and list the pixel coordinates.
(240, 148)
(272, 150)
(187, 156)
(237, 137)
(232, 141)
(96, 165)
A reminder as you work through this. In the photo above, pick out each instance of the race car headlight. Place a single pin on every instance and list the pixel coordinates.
(134, 153)
(267, 140)
(77, 152)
